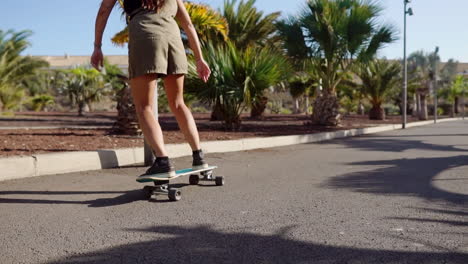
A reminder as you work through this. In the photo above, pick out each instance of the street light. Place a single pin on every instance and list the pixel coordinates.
(435, 84)
(408, 11)
(464, 85)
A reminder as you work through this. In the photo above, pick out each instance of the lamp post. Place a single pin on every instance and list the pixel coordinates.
(465, 85)
(435, 84)
(408, 11)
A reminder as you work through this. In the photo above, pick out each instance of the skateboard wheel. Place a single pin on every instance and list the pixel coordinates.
(219, 181)
(174, 195)
(194, 179)
(148, 192)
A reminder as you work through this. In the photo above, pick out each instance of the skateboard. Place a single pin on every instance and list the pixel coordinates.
(174, 194)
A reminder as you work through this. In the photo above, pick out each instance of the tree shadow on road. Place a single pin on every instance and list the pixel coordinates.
(452, 217)
(443, 211)
(381, 143)
(203, 244)
(420, 135)
(429, 220)
(409, 177)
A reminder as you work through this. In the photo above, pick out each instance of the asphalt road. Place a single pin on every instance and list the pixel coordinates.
(396, 197)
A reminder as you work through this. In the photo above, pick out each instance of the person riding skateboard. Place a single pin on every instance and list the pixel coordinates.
(155, 50)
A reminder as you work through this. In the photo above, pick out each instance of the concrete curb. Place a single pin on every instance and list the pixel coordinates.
(55, 127)
(66, 162)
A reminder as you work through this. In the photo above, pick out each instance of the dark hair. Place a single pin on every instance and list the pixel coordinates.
(132, 5)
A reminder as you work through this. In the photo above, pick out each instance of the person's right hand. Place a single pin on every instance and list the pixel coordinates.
(97, 59)
(203, 70)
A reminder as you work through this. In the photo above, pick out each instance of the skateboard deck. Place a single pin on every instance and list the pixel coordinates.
(164, 177)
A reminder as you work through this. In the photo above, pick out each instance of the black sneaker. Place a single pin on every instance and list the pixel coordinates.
(161, 167)
(198, 162)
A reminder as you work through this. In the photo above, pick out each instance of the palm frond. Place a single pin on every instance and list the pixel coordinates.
(247, 25)
(14, 68)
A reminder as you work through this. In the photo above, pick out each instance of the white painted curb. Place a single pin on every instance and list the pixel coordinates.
(65, 162)
(17, 167)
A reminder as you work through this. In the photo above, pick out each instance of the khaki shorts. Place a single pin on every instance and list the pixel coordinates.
(155, 45)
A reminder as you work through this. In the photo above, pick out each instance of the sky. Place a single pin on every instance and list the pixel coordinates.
(67, 26)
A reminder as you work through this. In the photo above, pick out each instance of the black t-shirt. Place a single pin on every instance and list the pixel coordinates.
(131, 5)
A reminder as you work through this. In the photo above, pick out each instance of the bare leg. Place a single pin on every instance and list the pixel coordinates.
(143, 89)
(174, 86)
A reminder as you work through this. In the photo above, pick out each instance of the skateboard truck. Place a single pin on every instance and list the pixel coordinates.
(207, 175)
(162, 189)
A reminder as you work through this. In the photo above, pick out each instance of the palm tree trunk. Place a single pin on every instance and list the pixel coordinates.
(232, 120)
(296, 106)
(258, 107)
(127, 120)
(217, 113)
(377, 113)
(90, 107)
(81, 106)
(326, 109)
(361, 110)
(307, 104)
(417, 104)
(423, 111)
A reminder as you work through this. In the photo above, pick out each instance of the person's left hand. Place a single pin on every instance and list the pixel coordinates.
(203, 70)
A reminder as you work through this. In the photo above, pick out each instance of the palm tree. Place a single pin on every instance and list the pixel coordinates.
(237, 77)
(301, 86)
(421, 66)
(455, 90)
(14, 68)
(448, 75)
(40, 102)
(339, 34)
(40, 83)
(249, 27)
(84, 86)
(378, 78)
